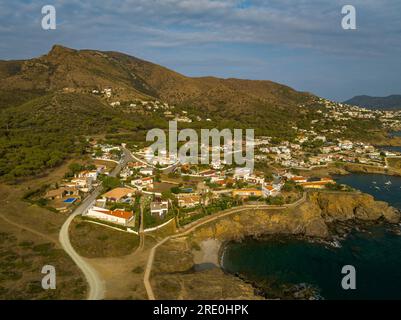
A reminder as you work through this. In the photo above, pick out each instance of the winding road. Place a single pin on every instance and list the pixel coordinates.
(192, 226)
(97, 288)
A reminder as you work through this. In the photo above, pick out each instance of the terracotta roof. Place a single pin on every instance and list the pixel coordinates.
(316, 183)
(117, 213)
(122, 214)
(189, 198)
(118, 193)
(135, 164)
(298, 178)
(55, 193)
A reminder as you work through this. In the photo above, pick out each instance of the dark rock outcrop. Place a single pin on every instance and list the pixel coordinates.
(174, 260)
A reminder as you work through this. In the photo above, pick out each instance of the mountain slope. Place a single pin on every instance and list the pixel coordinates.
(392, 102)
(210, 92)
(132, 77)
(47, 106)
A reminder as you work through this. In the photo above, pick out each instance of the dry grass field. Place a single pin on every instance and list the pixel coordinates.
(28, 241)
(95, 241)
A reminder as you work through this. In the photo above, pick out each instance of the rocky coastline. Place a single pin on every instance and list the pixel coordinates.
(325, 217)
(339, 231)
(349, 168)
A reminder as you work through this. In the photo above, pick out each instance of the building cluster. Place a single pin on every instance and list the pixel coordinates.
(106, 152)
(105, 209)
(390, 119)
(71, 190)
(193, 186)
(297, 156)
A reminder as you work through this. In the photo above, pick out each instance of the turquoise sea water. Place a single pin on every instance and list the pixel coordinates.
(376, 255)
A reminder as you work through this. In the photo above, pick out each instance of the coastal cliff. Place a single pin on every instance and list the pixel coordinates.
(393, 169)
(177, 261)
(362, 168)
(310, 218)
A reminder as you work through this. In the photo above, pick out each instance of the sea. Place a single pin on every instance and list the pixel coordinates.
(375, 254)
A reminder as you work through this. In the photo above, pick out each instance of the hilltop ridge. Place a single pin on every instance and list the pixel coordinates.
(392, 102)
(64, 67)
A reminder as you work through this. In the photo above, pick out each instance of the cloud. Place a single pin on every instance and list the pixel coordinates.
(312, 24)
(232, 30)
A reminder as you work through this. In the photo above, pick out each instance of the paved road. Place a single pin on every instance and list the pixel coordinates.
(97, 286)
(165, 170)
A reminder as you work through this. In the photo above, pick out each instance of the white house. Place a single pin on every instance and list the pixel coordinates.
(125, 173)
(88, 174)
(118, 216)
(242, 173)
(159, 208)
(346, 145)
(299, 179)
(146, 182)
(269, 190)
(255, 179)
(146, 171)
(187, 200)
(83, 184)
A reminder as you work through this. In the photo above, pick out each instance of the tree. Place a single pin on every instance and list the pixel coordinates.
(75, 168)
(167, 195)
(111, 183)
(175, 190)
(289, 186)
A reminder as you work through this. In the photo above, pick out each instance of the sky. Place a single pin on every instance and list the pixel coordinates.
(299, 43)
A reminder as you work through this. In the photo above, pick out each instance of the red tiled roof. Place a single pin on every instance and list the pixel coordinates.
(118, 213)
(298, 178)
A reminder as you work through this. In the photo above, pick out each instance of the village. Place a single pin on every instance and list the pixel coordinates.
(161, 188)
(188, 192)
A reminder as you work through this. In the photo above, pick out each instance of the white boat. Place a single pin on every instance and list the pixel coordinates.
(388, 183)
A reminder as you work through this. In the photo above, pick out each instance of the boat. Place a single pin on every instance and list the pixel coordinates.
(388, 183)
